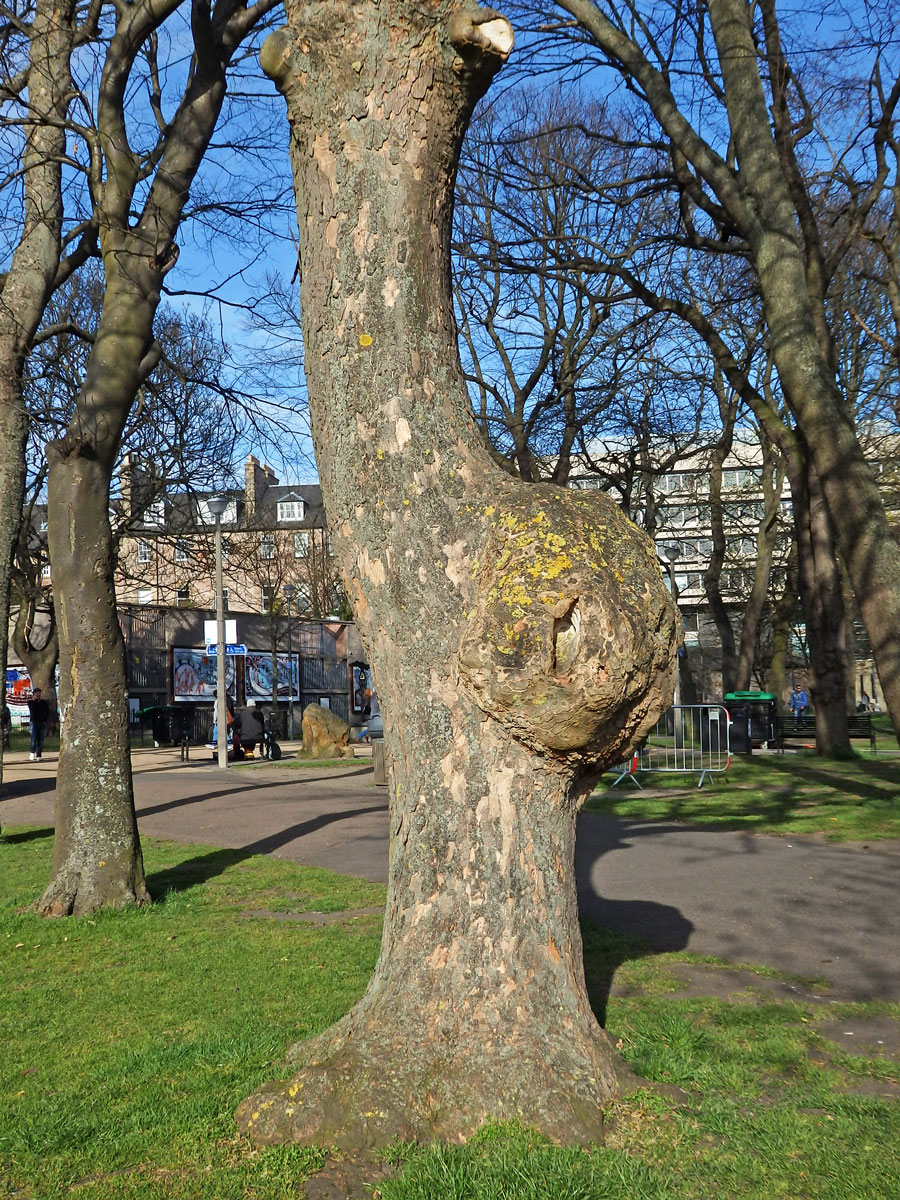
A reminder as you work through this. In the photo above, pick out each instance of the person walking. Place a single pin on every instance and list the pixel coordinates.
(374, 726)
(39, 711)
(799, 704)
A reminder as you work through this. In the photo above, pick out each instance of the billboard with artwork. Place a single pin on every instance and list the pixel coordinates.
(194, 674)
(258, 676)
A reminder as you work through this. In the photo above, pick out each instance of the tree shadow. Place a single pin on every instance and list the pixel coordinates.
(617, 931)
(842, 783)
(34, 786)
(240, 784)
(207, 866)
(27, 835)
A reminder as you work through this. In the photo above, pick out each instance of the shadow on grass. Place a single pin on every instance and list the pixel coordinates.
(604, 951)
(845, 782)
(27, 835)
(614, 931)
(207, 866)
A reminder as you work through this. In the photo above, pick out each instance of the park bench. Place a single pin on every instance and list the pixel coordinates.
(859, 725)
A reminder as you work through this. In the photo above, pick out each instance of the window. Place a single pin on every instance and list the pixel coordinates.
(687, 581)
(680, 481)
(145, 596)
(677, 515)
(155, 514)
(301, 543)
(267, 546)
(205, 517)
(181, 550)
(144, 551)
(45, 571)
(268, 598)
(182, 597)
(741, 479)
(291, 510)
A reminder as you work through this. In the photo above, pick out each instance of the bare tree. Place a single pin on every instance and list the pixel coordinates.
(743, 184)
(520, 635)
(36, 45)
(139, 190)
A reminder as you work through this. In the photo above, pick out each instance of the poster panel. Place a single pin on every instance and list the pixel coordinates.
(194, 674)
(258, 676)
(18, 693)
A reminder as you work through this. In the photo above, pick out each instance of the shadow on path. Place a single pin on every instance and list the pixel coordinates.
(615, 931)
(207, 866)
(32, 786)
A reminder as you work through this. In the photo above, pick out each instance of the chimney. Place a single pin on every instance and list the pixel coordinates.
(134, 486)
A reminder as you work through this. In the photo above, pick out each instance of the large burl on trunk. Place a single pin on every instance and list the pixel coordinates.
(520, 636)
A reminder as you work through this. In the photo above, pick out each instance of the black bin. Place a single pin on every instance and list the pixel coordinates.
(754, 719)
(169, 723)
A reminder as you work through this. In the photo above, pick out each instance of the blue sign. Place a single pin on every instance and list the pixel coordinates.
(240, 648)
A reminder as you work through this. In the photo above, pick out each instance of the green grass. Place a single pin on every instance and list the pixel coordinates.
(795, 792)
(127, 1041)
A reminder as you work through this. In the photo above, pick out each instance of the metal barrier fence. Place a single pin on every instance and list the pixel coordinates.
(687, 739)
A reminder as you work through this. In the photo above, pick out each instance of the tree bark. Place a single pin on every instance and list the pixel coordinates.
(97, 860)
(520, 635)
(822, 599)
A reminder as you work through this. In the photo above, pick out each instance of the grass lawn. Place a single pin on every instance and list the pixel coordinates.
(794, 792)
(127, 1040)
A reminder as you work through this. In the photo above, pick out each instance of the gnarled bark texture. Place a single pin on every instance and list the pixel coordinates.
(520, 635)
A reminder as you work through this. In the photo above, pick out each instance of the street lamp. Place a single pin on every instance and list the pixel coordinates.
(217, 505)
(289, 590)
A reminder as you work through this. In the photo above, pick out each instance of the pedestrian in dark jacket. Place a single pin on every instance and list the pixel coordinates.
(39, 711)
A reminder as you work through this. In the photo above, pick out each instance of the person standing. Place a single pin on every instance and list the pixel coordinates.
(39, 711)
(798, 706)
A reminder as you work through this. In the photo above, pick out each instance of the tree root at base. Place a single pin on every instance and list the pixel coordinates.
(73, 894)
(371, 1090)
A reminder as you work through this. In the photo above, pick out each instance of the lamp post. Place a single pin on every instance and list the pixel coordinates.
(289, 590)
(217, 506)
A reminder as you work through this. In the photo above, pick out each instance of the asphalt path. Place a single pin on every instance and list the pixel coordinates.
(798, 904)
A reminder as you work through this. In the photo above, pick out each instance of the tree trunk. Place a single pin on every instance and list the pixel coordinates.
(34, 265)
(713, 575)
(822, 600)
(782, 617)
(96, 858)
(766, 536)
(40, 661)
(848, 483)
(520, 635)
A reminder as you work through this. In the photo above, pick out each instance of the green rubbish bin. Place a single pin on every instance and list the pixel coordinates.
(754, 720)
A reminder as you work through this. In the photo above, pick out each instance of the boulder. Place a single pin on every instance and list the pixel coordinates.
(325, 734)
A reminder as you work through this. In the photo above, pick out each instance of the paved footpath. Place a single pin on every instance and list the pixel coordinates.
(798, 904)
